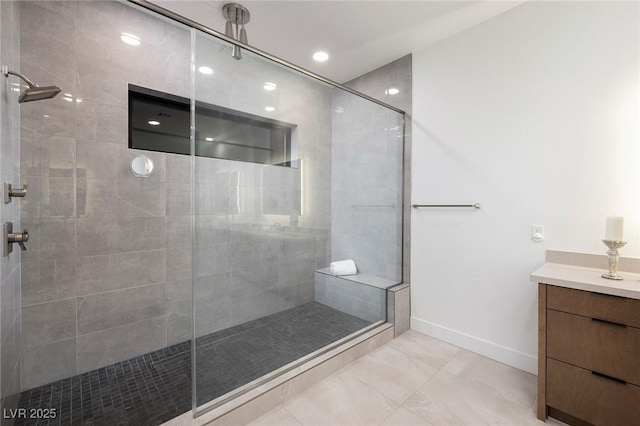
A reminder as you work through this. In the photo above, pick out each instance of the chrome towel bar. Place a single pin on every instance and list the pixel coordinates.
(417, 206)
(364, 206)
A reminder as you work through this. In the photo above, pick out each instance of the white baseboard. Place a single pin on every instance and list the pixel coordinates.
(519, 360)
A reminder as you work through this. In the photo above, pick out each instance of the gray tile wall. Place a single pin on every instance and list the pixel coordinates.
(367, 156)
(95, 276)
(11, 354)
(396, 74)
(261, 230)
(109, 267)
(366, 302)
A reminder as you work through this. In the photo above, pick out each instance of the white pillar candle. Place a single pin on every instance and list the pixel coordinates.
(614, 228)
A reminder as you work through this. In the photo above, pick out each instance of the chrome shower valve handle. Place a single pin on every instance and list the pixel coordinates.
(10, 192)
(20, 238)
(9, 238)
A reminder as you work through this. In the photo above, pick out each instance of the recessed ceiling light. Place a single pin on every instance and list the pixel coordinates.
(339, 110)
(392, 91)
(205, 70)
(153, 122)
(67, 98)
(208, 139)
(130, 39)
(320, 56)
(269, 108)
(46, 116)
(270, 86)
(78, 100)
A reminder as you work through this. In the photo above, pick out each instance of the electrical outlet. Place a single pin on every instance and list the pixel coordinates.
(537, 233)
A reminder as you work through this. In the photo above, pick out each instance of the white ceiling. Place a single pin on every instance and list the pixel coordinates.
(360, 36)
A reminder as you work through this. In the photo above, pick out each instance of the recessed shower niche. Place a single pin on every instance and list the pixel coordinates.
(161, 122)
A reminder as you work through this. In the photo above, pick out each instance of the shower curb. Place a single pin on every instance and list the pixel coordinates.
(251, 405)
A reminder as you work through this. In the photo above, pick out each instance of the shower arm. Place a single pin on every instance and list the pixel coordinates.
(6, 72)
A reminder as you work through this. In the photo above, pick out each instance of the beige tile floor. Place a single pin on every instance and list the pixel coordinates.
(415, 380)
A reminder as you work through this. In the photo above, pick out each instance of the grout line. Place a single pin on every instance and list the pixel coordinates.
(83, 296)
(50, 301)
(119, 253)
(125, 325)
(123, 289)
(49, 343)
(291, 414)
(391, 413)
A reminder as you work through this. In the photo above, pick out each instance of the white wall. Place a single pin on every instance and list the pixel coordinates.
(534, 114)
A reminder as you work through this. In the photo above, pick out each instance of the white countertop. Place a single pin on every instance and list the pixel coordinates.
(588, 279)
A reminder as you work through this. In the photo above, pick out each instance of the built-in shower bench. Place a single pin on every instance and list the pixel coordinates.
(365, 296)
(369, 280)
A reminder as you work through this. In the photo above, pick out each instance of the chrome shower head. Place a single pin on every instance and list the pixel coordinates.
(228, 28)
(37, 93)
(238, 15)
(34, 92)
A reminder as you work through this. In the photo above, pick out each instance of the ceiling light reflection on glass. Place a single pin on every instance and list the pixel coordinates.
(320, 56)
(130, 39)
(153, 123)
(205, 70)
(270, 86)
(269, 108)
(392, 91)
(208, 139)
(339, 110)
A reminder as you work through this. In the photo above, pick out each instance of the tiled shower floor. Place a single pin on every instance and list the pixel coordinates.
(155, 387)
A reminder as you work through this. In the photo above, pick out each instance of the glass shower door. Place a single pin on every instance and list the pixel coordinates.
(290, 174)
(262, 206)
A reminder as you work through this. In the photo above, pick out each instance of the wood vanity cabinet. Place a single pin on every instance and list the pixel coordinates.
(588, 357)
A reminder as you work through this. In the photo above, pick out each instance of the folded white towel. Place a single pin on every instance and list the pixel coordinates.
(343, 267)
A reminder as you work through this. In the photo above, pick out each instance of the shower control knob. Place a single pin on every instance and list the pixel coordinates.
(10, 192)
(20, 238)
(9, 238)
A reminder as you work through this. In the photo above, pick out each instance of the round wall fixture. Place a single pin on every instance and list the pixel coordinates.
(141, 166)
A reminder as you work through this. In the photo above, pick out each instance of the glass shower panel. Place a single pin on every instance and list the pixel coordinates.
(264, 199)
(367, 186)
(366, 206)
(262, 212)
(107, 269)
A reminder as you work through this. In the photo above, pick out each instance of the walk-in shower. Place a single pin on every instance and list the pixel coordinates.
(143, 296)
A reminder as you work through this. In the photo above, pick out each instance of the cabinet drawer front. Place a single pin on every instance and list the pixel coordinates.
(611, 308)
(589, 397)
(594, 345)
